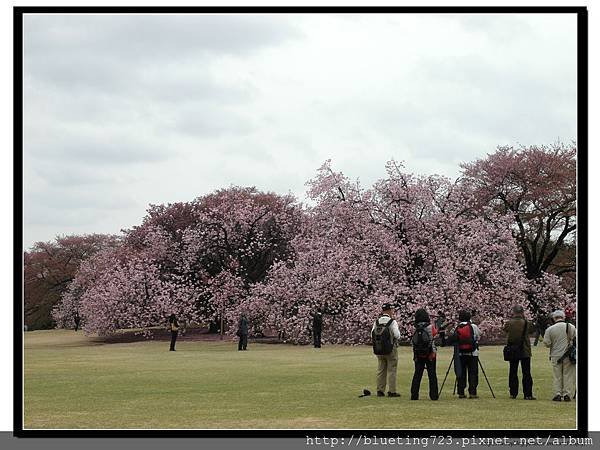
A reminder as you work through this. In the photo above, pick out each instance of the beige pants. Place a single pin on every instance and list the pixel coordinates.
(564, 377)
(387, 369)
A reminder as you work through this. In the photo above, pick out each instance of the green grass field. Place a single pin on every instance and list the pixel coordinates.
(76, 382)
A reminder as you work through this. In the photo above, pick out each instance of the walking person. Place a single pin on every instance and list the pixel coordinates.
(317, 326)
(425, 353)
(517, 331)
(242, 333)
(559, 337)
(385, 336)
(174, 329)
(466, 340)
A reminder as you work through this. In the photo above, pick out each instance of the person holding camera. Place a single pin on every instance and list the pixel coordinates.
(560, 338)
(385, 335)
(465, 338)
(518, 347)
(440, 324)
(424, 352)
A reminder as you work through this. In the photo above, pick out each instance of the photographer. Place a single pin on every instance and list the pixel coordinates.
(440, 324)
(465, 338)
(424, 352)
(559, 337)
(517, 331)
(385, 336)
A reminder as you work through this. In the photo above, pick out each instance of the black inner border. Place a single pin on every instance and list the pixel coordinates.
(582, 233)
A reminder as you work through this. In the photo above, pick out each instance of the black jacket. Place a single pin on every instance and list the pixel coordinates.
(317, 322)
(243, 326)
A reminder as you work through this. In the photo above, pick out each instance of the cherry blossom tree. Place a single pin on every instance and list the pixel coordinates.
(414, 241)
(49, 267)
(195, 260)
(407, 241)
(536, 187)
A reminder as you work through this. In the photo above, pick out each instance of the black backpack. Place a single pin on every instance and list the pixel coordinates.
(421, 341)
(383, 341)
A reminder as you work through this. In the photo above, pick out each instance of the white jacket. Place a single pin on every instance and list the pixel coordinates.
(393, 327)
(556, 338)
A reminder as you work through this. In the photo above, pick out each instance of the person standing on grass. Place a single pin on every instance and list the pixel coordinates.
(424, 352)
(242, 333)
(540, 326)
(317, 326)
(466, 338)
(517, 332)
(558, 338)
(569, 315)
(173, 328)
(440, 324)
(385, 336)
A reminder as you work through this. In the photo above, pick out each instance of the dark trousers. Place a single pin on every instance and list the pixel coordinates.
(420, 365)
(471, 370)
(173, 340)
(317, 339)
(513, 378)
(442, 335)
(243, 342)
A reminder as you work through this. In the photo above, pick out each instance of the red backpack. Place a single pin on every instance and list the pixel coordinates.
(466, 338)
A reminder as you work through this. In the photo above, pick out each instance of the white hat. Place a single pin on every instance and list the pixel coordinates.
(558, 314)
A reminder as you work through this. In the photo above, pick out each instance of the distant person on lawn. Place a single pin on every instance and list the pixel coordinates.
(317, 326)
(173, 328)
(517, 332)
(242, 333)
(424, 352)
(558, 338)
(385, 336)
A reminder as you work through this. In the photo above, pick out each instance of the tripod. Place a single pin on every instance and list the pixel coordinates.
(446, 376)
(455, 380)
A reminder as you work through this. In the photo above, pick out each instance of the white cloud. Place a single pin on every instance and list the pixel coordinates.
(131, 110)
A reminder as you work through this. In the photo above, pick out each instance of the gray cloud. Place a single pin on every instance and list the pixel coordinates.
(62, 174)
(98, 147)
(205, 121)
(150, 38)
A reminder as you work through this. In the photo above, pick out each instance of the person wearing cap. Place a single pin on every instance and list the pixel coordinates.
(558, 338)
(387, 367)
(517, 331)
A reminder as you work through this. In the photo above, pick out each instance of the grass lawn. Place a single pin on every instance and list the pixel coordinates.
(76, 382)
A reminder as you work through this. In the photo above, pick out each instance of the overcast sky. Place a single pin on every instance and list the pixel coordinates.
(127, 110)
